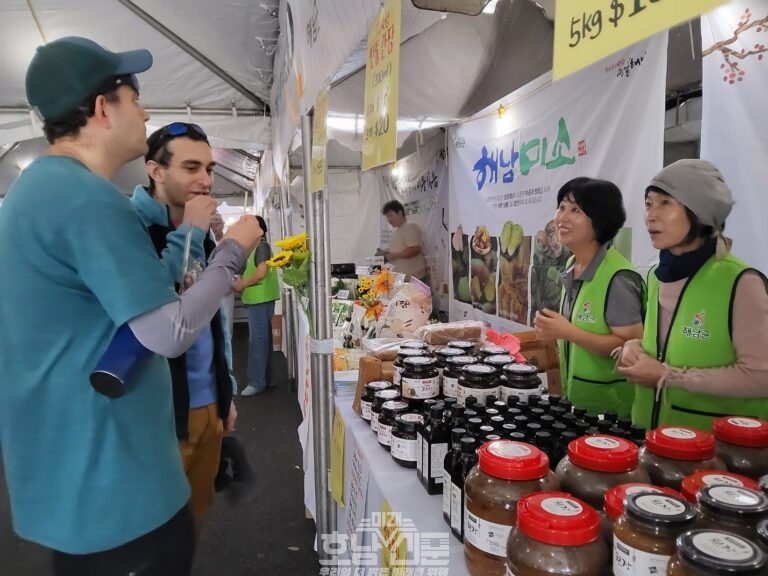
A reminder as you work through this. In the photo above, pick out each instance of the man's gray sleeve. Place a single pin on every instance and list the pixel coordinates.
(172, 328)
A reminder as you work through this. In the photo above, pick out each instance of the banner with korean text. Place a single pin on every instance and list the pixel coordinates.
(734, 41)
(506, 166)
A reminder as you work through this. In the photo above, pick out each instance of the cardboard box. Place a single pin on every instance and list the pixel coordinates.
(541, 353)
(277, 332)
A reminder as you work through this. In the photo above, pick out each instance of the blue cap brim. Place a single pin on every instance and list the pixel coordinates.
(133, 62)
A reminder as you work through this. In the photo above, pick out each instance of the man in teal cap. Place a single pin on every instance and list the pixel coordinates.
(97, 480)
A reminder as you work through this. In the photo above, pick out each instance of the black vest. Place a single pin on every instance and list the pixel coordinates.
(178, 365)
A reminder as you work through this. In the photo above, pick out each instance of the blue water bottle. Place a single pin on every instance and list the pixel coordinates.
(122, 358)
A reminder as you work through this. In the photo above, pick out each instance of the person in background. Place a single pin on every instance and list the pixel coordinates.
(98, 481)
(602, 302)
(176, 204)
(702, 354)
(405, 253)
(259, 288)
(217, 227)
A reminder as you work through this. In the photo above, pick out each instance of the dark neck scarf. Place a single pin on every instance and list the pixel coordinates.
(673, 268)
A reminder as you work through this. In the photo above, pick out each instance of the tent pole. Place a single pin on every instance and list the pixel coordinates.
(321, 362)
(289, 310)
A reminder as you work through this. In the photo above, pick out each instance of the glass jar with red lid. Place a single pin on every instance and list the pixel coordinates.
(557, 535)
(596, 463)
(696, 481)
(742, 444)
(506, 471)
(671, 453)
(614, 503)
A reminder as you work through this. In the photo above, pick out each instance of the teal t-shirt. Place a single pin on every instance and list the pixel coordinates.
(85, 473)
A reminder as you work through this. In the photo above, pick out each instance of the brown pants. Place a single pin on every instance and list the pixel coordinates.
(200, 453)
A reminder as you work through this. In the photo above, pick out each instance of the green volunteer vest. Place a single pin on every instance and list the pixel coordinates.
(267, 290)
(591, 381)
(699, 336)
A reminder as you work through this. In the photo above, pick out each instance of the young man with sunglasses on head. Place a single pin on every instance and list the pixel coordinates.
(176, 205)
(97, 480)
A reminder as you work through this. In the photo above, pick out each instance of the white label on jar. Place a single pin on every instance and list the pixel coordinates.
(365, 408)
(509, 449)
(421, 387)
(450, 387)
(487, 536)
(629, 561)
(744, 422)
(727, 547)
(679, 433)
(660, 504)
(419, 448)
(403, 449)
(562, 506)
(710, 479)
(396, 371)
(481, 395)
(446, 493)
(374, 421)
(438, 460)
(457, 508)
(385, 434)
(522, 393)
(602, 442)
(424, 457)
(734, 496)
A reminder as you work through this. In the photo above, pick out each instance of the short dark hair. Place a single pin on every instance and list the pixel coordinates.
(70, 123)
(601, 200)
(262, 223)
(698, 230)
(393, 206)
(157, 143)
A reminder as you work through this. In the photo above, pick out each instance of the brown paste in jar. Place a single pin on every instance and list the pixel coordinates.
(713, 552)
(742, 444)
(506, 471)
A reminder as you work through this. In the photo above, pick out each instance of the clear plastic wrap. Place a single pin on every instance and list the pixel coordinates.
(438, 334)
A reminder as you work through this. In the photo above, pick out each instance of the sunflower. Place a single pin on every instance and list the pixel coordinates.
(280, 259)
(384, 281)
(293, 242)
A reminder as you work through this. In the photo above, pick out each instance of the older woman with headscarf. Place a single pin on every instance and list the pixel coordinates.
(703, 352)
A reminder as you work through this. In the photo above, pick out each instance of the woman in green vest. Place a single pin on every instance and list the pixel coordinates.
(259, 288)
(703, 352)
(602, 302)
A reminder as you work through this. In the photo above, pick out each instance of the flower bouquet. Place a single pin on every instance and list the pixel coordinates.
(294, 261)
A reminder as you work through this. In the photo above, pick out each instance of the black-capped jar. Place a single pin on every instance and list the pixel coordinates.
(491, 350)
(521, 380)
(696, 481)
(478, 380)
(498, 361)
(596, 463)
(466, 345)
(403, 445)
(714, 552)
(378, 400)
(452, 373)
(366, 398)
(671, 453)
(742, 444)
(556, 535)
(644, 536)
(614, 504)
(414, 345)
(506, 472)
(732, 508)
(402, 354)
(389, 411)
(443, 355)
(419, 379)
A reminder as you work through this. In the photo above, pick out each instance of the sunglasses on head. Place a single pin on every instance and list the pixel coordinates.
(174, 130)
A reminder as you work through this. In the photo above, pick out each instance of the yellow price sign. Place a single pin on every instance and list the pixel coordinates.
(337, 458)
(589, 30)
(394, 546)
(319, 142)
(382, 76)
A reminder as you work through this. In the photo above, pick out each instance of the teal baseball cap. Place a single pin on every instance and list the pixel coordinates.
(64, 72)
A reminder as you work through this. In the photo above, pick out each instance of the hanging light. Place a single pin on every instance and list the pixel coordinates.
(501, 111)
(395, 170)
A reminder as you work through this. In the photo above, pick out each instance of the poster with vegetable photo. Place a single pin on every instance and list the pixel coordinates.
(549, 261)
(485, 259)
(514, 264)
(460, 265)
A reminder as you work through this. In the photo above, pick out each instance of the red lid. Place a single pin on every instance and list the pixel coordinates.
(512, 460)
(614, 497)
(741, 431)
(701, 478)
(603, 453)
(680, 443)
(557, 518)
